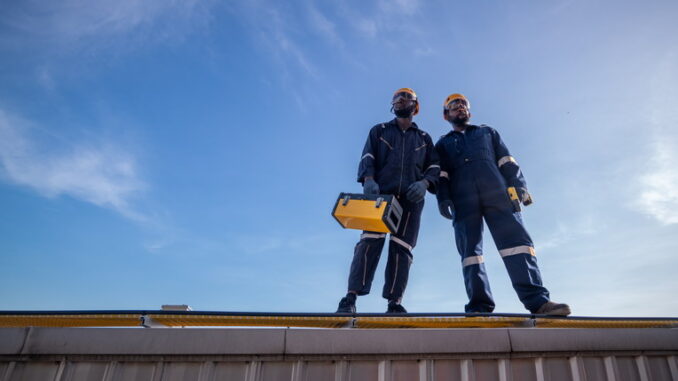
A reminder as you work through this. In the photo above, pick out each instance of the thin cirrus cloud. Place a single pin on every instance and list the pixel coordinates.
(657, 183)
(659, 194)
(74, 23)
(103, 175)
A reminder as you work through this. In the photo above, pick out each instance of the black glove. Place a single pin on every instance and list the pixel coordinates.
(446, 208)
(416, 191)
(524, 196)
(370, 187)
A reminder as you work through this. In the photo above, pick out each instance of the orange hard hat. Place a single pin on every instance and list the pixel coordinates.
(454, 96)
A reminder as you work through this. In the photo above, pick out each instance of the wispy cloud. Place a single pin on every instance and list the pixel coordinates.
(659, 185)
(367, 27)
(301, 244)
(323, 25)
(406, 7)
(104, 175)
(74, 23)
(277, 30)
(573, 230)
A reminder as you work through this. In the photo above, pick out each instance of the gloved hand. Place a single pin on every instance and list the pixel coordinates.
(416, 191)
(370, 186)
(524, 196)
(446, 208)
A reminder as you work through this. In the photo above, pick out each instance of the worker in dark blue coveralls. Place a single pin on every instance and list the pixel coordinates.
(398, 159)
(476, 171)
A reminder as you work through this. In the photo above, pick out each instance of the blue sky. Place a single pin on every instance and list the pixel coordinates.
(165, 152)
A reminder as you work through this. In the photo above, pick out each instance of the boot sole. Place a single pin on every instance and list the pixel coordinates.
(558, 312)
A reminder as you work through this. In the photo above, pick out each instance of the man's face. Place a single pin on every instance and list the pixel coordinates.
(403, 104)
(457, 111)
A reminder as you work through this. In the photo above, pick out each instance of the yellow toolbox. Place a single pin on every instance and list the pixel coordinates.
(376, 213)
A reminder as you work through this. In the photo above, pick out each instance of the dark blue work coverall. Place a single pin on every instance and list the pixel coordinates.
(395, 159)
(476, 169)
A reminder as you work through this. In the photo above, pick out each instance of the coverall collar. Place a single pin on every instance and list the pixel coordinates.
(394, 122)
(468, 128)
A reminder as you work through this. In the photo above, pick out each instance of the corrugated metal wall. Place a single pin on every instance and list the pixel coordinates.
(63, 354)
(525, 369)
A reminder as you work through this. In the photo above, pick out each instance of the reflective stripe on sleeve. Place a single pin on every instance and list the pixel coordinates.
(432, 166)
(367, 155)
(401, 243)
(372, 235)
(517, 250)
(444, 174)
(475, 260)
(505, 160)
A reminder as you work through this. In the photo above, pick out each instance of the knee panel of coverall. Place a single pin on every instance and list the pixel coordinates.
(400, 257)
(365, 260)
(408, 230)
(506, 227)
(468, 220)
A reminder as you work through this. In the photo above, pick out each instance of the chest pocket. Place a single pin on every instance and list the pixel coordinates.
(418, 151)
(386, 143)
(480, 146)
(480, 140)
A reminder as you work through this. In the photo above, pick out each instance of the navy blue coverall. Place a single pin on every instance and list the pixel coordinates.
(476, 169)
(395, 159)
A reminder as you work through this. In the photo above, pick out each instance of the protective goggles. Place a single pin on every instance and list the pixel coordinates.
(456, 103)
(403, 95)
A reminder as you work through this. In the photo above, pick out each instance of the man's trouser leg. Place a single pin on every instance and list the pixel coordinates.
(468, 231)
(365, 259)
(400, 250)
(517, 251)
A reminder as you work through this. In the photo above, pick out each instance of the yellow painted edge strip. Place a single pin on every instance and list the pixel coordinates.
(108, 320)
(133, 320)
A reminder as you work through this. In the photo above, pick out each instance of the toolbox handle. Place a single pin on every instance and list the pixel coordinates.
(379, 201)
(345, 201)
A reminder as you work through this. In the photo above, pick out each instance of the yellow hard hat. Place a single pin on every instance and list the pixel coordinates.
(454, 96)
(407, 90)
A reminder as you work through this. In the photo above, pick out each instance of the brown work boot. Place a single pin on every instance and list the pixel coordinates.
(551, 308)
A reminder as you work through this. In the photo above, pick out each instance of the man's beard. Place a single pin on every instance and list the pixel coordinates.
(461, 120)
(404, 112)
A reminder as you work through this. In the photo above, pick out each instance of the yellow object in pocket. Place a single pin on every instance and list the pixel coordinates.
(515, 201)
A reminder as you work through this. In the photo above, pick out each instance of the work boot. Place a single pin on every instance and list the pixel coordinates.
(347, 304)
(551, 308)
(395, 308)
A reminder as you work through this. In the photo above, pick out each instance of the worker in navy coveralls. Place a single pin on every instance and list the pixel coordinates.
(398, 159)
(476, 170)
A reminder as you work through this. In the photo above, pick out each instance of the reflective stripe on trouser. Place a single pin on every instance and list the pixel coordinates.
(512, 241)
(368, 251)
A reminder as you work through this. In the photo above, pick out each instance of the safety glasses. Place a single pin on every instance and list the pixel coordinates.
(456, 103)
(403, 95)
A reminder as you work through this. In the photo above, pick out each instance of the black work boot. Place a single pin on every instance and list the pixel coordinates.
(556, 309)
(395, 308)
(347, 304)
